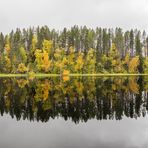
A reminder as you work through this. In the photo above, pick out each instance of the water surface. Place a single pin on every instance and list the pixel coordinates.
(74, 112)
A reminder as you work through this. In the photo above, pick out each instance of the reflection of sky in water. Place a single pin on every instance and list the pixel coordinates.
(65, 134)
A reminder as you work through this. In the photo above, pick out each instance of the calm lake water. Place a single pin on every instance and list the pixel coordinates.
(85, 112)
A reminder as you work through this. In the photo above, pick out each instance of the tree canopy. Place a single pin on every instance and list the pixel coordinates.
(75, 50)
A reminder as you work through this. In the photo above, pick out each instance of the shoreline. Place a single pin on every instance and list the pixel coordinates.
(71, 75)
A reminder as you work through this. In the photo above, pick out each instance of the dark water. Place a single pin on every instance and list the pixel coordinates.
(74, 112)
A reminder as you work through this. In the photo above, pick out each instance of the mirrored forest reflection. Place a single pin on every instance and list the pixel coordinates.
(77, 99)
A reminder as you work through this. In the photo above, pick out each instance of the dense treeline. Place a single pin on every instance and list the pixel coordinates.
(75, 50)
(79, 99)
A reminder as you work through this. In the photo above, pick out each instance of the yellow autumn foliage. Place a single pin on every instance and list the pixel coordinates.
(113, 50)
(66, 72)
(57, 53)
(34, 42)
(127, 58)
(133, 64)
(7, 48)
(145, 64)
(7, 61)
(31, 75)
(114, 62)
(47, 46)
(42, 60)
(46, 61)
(22, 68)
(79, 63)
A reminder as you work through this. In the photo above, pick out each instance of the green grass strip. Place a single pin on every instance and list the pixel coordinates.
(71, 75)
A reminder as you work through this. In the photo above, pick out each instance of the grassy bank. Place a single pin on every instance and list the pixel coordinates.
(71, 75)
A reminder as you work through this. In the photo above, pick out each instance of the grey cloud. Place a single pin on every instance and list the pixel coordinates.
(65, 13)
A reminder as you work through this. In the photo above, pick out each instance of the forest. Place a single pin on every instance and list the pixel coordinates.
(78, 50)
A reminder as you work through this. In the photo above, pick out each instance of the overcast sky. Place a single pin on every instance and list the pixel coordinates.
(65, 13)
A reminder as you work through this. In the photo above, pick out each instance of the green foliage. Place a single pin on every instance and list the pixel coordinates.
(77, 50)
(23, 55)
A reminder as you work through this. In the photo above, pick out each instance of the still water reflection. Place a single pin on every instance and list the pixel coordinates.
(74, 112)
(77, 99)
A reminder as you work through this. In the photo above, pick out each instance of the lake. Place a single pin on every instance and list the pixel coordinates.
(74, 112)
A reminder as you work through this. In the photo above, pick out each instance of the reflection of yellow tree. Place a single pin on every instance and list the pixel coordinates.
(47, 104)
(42, 90)
(133, 86)
(22, 82)
(66, 78)
(57, 96)
(8, 89)
(8, 86)
(7, 102)
(79, 88)
(110, 94)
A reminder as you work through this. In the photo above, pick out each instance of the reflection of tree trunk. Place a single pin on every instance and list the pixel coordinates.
(146, 100)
